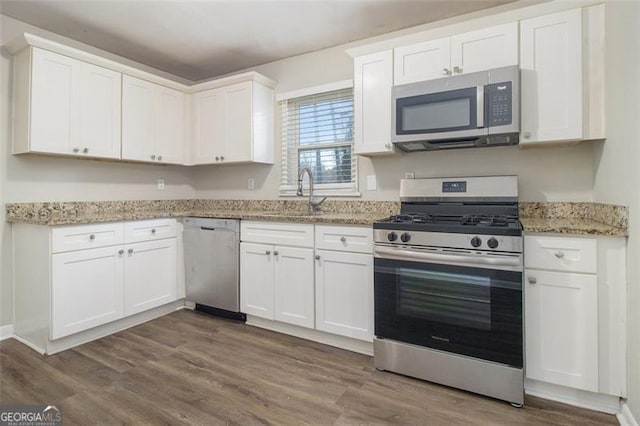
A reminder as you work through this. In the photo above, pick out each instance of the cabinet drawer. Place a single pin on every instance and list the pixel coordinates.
(147, 230)
(290, 234)
(81, 237)
(357, 239)
(560, 254)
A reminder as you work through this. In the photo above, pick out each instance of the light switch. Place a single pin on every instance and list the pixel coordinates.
(160, 184)
(372, 184)
(251, 183)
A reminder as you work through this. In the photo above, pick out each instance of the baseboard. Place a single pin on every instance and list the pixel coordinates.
(6, 331)
(625, 416)
(353, 345)
(29, 344)
(593, 401)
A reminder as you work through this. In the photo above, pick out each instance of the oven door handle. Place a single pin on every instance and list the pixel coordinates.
(401, 254)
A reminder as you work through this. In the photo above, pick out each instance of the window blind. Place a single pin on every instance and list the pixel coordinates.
(317, 132)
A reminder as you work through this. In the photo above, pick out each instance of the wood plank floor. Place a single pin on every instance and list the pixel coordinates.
(190, 368)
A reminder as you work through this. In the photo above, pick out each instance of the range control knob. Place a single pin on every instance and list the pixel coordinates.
(492, 243)
(392, 236)
(405, 237)
(476, 241)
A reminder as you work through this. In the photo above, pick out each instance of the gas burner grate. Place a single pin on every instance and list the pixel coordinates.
(486, 220)
(412, 218)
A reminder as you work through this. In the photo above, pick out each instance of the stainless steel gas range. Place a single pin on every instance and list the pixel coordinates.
(448, 285)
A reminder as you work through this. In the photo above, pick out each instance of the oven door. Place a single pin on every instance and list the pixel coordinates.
(451, 306)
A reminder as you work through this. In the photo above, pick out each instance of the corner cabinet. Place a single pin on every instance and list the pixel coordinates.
(79, 282)
(65, 106)
(562, 76)
(153, 122)
(234, 124)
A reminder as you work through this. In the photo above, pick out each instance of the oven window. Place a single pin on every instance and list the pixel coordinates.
(463, 300)
(441, 115)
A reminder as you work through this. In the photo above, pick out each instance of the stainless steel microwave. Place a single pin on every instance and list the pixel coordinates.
(463, 111)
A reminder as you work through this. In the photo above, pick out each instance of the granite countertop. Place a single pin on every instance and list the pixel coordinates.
(577, 218)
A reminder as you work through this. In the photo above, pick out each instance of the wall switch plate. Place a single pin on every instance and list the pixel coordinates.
(251, 183)
(409, 175)
(160, 184)
(372, 184)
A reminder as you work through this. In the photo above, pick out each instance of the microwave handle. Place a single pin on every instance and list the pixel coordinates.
(480, 106)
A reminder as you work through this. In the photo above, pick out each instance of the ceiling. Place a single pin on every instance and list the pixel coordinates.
(196, 40)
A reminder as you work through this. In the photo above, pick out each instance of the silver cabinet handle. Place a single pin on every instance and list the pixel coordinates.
(153, 231)
(217, 158)
(76, 149)
(222, 158)
(275, 253)
(159, 157)
(559, 254)
(532, 280)
(85, 151)
(457, 70)
(92, 237)
(130, 251)
(527, 135)
(343, 239)
(317, 257)
(153, 156)
(268, 252)
(121, 251)
(446, 71)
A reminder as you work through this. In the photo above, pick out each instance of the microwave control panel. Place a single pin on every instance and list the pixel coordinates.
(499, 99)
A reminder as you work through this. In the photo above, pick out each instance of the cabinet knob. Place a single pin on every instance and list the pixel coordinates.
(121, 251)
(130, 251)
(92, 237)
(532, 280)
(446, 71)
(222, 158)
(153, 231)
(343, 239)
(159, 157)
(85, 151)
(317, 257)
(268, 252)
(457, 70)
(76, 149)
(559, 254)
(153, 156)
(275, 253)
(387, 145)
(217, 158)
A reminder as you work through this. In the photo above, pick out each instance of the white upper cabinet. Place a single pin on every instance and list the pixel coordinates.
(372, 82)
(562, 60)
(492, 47)
(65, 106)
(234, 124)
(153, 122)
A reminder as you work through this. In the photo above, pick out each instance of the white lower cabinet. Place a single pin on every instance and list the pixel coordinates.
(150, 271)
(87, 289)
(344, 293)
(256, 280)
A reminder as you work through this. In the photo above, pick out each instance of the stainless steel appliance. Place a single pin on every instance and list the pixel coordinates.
(212, 261)
(448, 285)
(469, 110)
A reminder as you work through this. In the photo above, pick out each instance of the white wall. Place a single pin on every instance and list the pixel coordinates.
(616, 162)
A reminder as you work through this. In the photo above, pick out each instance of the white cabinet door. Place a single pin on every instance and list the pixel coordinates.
(151, 277)
(237, 123)
(484, 49)
(99, 110)
(54, 96)
(551, 77)
(209, 125)
(293, 285)
(256, 280)
(87, 289)
(344, 294)
(373, 80)
(561, 328)
(138, 119)
(170, 125)
(422, 61)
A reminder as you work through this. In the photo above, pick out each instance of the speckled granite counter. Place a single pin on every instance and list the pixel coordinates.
(574, 218)
(68, 213)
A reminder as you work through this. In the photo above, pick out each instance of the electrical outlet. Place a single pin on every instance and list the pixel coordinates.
(251, 184)
(409, 175)
(160, 184)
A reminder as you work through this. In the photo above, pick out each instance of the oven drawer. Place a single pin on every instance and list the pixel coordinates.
(358, 239)
(82, 237)
(565, 254)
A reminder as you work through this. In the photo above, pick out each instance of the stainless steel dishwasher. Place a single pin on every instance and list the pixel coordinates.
(212, 265)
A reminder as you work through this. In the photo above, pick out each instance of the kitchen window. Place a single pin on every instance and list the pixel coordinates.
(317, 132)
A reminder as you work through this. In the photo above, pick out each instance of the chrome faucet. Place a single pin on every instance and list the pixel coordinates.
(314, 206)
